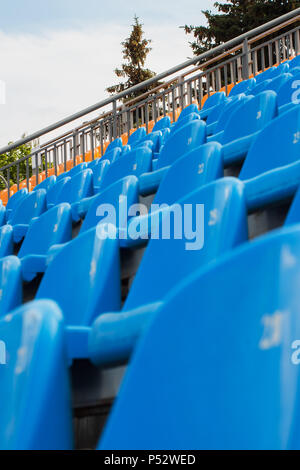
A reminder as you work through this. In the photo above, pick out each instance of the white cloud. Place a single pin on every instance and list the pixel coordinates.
(51, 76)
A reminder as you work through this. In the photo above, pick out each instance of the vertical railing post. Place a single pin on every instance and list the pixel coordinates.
(181, 97)
(297, 42)
(245, 60)
(114, 117)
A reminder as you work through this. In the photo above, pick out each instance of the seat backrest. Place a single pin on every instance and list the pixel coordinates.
(295, 70)
(214, 99)
(3, 215)
(117, 197)
(295, 62)
(10, 284)
(163, 123)
(35, 388)
(182, 141)
(277, 145)
(54, 191)
(125, 149)
(16, 198)
(78, 187)
(6, 241)
(190, 172)
(84, 277)
(273, 72)
(134, 163)
(251, 117)
(185, 120)
(137, 136)
(266, 75)
(289, 91)
(243, 87)
(154, 137)
(32, 206)
(222, 349)
(51, 228)
(74, 171)
(166, 262)
(272, 84)
(114, 144)
(112, 155)
(191, 109)
(229, 109)
(46, 184)
(165, 135)
(99, 172)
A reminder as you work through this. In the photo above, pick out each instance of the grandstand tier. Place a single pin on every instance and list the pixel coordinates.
(149, 285)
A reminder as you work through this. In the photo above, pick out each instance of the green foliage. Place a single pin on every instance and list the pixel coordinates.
(11, 157)
(235, 17)
(135, 51)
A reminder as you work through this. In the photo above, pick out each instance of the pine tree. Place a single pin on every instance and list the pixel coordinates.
(135, 51)
(235, 17)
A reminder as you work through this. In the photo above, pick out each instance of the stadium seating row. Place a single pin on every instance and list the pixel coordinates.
(184, 306)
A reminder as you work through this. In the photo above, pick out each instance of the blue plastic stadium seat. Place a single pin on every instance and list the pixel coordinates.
(191, 171)
(125, 149)
(167, 262)
(84, 277)
(52, 227)
(10, 286)
(272, 73)
(32, 206)
(154, 140)
(187, 138)
(185, 120)
(14, 200)
(114, 144)
(272, 84)
(46, 184)
(272, 167)
(244, 125)
(35, 389)
(191, 109)
(218, 365)
(163, 123)
(216, 122)
(295, 62)
(54, 191)
(135, 163)
(266, 75)
(78, 187)
(123, 192)
(245, 86)
(138, 135)
(99, 171)
(3, 215)
(211, 103)
(295, 70)
(288, 94)
(74, 171)
(110, 156)
(6, 240)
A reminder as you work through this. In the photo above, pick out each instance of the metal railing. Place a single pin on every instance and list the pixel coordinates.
(215, 70)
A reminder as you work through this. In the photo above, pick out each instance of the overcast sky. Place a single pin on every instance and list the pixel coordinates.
(58, 56)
